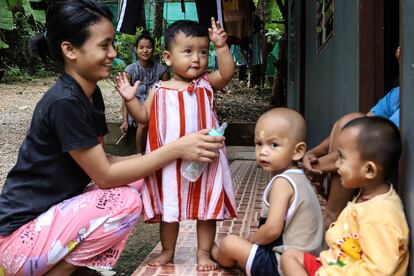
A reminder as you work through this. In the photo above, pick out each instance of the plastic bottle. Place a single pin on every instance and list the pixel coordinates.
(192, 170)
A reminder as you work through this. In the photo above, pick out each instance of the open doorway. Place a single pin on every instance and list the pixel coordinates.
(391, 42)
(378, 40)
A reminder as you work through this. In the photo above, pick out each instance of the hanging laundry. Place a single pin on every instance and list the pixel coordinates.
(238, 17)
(231, 5)
(207, 9)
(129, 15)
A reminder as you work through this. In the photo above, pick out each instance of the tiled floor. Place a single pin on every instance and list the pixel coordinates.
(249, 182)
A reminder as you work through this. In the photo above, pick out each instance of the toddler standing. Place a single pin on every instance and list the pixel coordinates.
(184, 104)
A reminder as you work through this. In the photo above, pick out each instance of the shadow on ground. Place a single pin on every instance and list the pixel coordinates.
(141, 242)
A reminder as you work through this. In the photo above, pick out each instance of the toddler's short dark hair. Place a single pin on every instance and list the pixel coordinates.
(187, 27)
(379, 140)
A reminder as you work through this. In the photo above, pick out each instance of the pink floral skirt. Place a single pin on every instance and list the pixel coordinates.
(90, 229)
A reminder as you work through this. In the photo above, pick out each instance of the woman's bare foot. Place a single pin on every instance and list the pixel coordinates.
(204, 261)
(165, 257)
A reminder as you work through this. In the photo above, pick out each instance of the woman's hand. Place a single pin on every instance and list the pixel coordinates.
(115, 172)
(124, 87)
(124, 127)
(199, 146)
(310, 166)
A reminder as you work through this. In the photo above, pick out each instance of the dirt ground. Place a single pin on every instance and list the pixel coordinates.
(17, 101)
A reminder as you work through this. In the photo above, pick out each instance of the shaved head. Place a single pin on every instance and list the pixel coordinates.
(287, 118)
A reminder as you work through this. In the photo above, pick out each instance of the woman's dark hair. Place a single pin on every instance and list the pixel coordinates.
(187, 27)
(67, 21)
(145, 35)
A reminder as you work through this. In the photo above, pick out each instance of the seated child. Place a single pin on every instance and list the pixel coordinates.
(370, 236)
(291, 214)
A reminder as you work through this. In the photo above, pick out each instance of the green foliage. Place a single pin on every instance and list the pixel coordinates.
(6, 16)
(10, 9)
(274, 26)
(124, 46)
(16, 63)
(18, 24)
(14, 74)
(158, 49)
(38, 15)
(273, 34)
(273, 31)
(118, 67)
(3, 45)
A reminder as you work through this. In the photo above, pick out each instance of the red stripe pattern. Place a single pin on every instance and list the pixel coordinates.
(167, 196)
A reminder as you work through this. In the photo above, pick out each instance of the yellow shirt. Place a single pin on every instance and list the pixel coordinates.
(368, 238)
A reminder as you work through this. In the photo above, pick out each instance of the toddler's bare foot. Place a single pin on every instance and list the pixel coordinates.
(165, 257)
(204, 262)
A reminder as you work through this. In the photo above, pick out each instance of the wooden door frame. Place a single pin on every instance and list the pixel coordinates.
(371, 53)
(407, 116)
(302, 57)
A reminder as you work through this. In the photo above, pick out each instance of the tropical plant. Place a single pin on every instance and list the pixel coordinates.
(124, 46)
(20, 20)
(276, 27)
(16, 55)
(274, 22)
(8, 12)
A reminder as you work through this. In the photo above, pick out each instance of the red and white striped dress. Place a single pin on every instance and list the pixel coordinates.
(168, 196)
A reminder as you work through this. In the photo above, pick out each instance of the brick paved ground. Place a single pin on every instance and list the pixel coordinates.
(249, 182)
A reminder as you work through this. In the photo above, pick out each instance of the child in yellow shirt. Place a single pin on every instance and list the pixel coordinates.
(370, 236)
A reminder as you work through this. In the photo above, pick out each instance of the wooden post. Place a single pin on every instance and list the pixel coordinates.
(407, 115)
(158, 18)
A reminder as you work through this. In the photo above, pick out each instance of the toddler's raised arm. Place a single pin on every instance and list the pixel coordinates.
(221, 77)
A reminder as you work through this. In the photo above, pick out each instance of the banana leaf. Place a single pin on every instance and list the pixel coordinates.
(3, 45)
(38, 15)
(6, 16)
(12, 3)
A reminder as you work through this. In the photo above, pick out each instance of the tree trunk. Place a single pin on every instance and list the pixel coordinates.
(158, 18)
(142, 19)
(279, 89)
